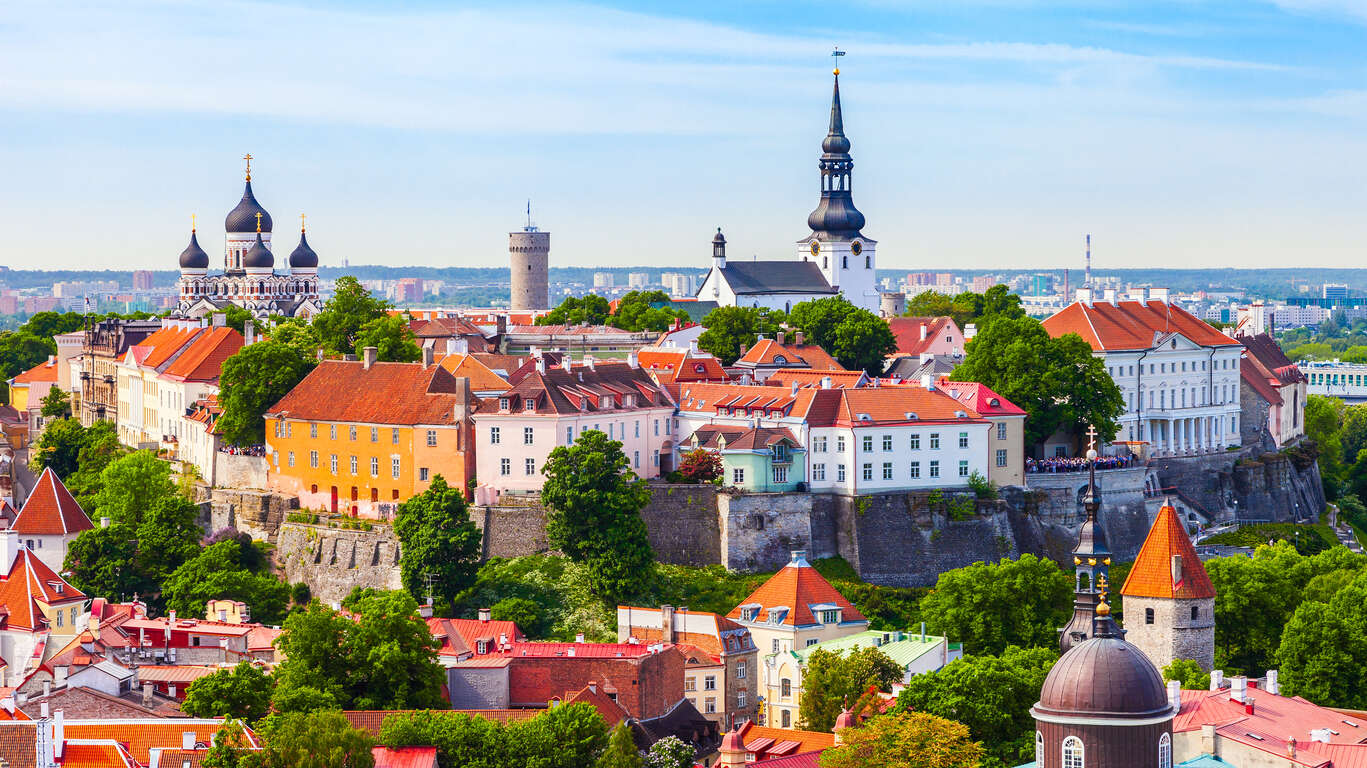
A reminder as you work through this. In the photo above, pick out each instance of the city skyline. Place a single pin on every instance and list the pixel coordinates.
(1207, 135)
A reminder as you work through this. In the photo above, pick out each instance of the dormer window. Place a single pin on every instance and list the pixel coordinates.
(503, 403)
(749, 613)
(780, 360)
(481, 647)
(528, 404)
(699, 368)
(830, 617)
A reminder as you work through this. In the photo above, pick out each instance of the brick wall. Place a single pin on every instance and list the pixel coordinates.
(646, 686)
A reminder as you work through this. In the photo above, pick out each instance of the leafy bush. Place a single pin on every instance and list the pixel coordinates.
(981, 486)
(1307, 539)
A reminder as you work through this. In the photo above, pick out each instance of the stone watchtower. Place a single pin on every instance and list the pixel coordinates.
(530, 252)
(1169, 602)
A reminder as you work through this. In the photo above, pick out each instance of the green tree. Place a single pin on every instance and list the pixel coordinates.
(591, 309)
(831, 682)
(905, 740)
(439, 541)
(1353, 432)
(101, 562)
(59, 447)
(594, 502)
(1324, 418)
(999, 302)
(298, 334)
(243, 692)
(383, 659)
(1320, 657)
(99, 448)
(1058, 382)
(46, 325)
(56, 404)
(732, 330)
(345, 314)
(566, 736)
(526, 614)
(621, 750)
(231, 749)
(217, 573)
(857, 338)
(322, 739)
(21, 350)
(933, 304)
(989, 606)
(236, 317)
(991, 695)
(253, 380)
(462, 741)
(671, 752)
(1188, 673)
(635, 313)
(392, 338)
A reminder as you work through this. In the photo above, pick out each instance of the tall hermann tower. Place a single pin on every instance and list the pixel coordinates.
(530, 254)
(837, 244)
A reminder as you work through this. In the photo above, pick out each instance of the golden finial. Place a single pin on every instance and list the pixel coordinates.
(1077, 561)
(248, 158)
(258, 222)
(192, 223)
(1102, 583)
(1102, 609)
(1107, 561)
(1091, 561)
(302, 217)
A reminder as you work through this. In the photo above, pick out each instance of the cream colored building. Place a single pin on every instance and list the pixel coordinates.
(795, 609)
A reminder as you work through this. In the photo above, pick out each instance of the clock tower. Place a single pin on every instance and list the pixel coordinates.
(837, 244)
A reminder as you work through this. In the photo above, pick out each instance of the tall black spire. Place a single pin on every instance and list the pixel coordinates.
(835, 217)
(1091, 562)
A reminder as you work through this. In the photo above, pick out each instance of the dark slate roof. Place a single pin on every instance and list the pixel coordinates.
(303, 255)
(911, 367)
(259, 256)
(775, 277)
(194, 257)
(243, 217)
(696, 310)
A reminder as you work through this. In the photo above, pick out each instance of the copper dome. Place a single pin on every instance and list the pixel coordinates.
(1104, 677)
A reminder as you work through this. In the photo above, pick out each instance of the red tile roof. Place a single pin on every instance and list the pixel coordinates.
(404, 757)
(907, 332)
(582, 388)
(805, 377)
(1267, 354)
(463, 635)
(44, 372)
(51, 510)
(580, 650)
(724, 635)
(173, 673)
(1275, 720)
(754, 399)
(30, 582)
(981, 398)
(203, 359)
(762, 740)
(766, 351)
(890, 405)
(1131, 325)
(597, 696)
(482, 378)
(680, 365)
(386, 393)
(740, 438)
(1266, 388)
(103, 754)
(156, 349)
(796, 587)
(1152, 573)
(141, 735)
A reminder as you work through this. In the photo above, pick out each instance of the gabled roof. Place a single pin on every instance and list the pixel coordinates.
(1273, 721)
(814, 405)
(601, 387)
(44, 372)
(907, 332)
(155, 350)
(86, 753)
(28, 583)
(805, 377)
(722, 636)
(753, 277)
(402, 757)
(1132, 325)
(764, 740)
(1267, 354)
(203, 359)
(891, 405)
(141, 735)
(386, 393)
(981, 398)
(1152, 573)
(51, 510)
(1265, 387)
(768, 352)
(482, 378)
(796, 587)
(680, 365)
(462, 636)
(740, 438)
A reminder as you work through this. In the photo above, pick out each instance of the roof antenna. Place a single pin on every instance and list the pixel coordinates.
(1087, 280)
(530, 226)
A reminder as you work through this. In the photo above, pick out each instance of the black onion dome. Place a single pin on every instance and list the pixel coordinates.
(835, 216)
(303, 256)
(194, 257)
(718, 239)
(243, 217)
(1104, 677)
(259, 256)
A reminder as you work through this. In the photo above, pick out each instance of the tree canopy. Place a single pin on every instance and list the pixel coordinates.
(594, 504)
(56, 403)
(732, 330)
(905, 740)
(967, 307)
(346, 314)
(566, 736)
(989, 606)
(218, 573)
(832, 682)
(857, 338)
(438, 541)
(242, 692)
(253, 380)
(1058, 382)
(591, 309)
(321, 739)
(392, 339)
(635, 313)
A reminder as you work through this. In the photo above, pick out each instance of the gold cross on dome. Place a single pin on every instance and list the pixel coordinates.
(302, 217)
(258, 221)
(192, 222)
(248, 158)
(1091, 436)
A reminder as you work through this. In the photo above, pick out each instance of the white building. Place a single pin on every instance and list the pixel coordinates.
(1178, 375)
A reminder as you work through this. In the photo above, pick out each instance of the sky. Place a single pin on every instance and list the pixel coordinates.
(987, 134)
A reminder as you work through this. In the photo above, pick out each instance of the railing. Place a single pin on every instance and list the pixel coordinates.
(1066, 465)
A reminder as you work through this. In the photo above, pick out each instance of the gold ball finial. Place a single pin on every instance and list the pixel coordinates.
(836, 71)
(302, 217)
(1102, 609)
(192, 223)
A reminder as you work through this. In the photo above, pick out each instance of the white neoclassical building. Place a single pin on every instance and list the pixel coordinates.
(1179, 375)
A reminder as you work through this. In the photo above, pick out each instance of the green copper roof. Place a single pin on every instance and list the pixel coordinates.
(904, 651)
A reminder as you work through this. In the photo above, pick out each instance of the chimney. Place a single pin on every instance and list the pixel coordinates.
(928, 382)
(633, 360)
(666, 623)
(368, 356)
(1238, 688)
(501, 325)
(925, 330)
(1248, 706)
(1174, 695)
(147, 694)
(425, 610)
(825, 382)
(461, 409)
(486, 615)
(172, 691)
(540, 364)
(565, 362)
(187, 740)
(1176, 568)
(1271, 685)
(104, 522)
(799, 338)
(692, 346)
(9, 548)
(1291, 747)
(793, 389)
(249, 332)
(429, 356)
(47, 688)
(579, 638)
(588, 362)
(1208, 739)
(780, 337)
(59, 673)
(1217, 679)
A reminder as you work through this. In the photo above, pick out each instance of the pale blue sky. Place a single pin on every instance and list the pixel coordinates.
(986, 133)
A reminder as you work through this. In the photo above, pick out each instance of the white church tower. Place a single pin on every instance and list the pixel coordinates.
(845, 256)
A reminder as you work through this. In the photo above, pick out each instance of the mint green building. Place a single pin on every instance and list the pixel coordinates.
(754, 459)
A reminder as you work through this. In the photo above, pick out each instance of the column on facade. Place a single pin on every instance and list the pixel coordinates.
(1198, 434)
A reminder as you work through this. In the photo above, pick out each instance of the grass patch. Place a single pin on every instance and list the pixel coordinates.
(1312, 539)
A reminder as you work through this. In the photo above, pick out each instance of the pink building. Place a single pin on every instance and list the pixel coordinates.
(552, 405)
(927, 335)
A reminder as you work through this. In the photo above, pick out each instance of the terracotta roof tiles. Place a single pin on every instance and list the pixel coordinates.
(768, 351)
(141, 735)
(1131, 325)
(1152, 574)
(907, 332)
(482, 378)
(981, 398)
(44, 372)
(203, 359)
(386, 393)
(155, 350)
(51, 510)
(796, 587)
(30, 582)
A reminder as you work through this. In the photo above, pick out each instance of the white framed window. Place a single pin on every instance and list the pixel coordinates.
(1001, 457)
(819, 444)
(887, 470)
(867, 443)
(313, 459)
(374, 466)
(934, 469)
(529, 466)
(963, 469)
(569, 435)
(709, 683)
(934, 441)
(332, 431)
(818, 472)
(495, 436)
(1039, 748)
(374, 434)
(1073, 753)
(333, 462)
(737, 475)
(505, 466)
(422, 474)
(887, 442)
(313, 431)
(915, 470)
(636, 459)
(840, 473)
(740, 698)
(741, 671)
(394, 436)
(709, 705)
(352, 433)
(840, 444)
(431, 438)
(868, 471)
(1165, 751)
(963, 439)
(353, 465)
(638, 428)
(394, 467)
(915, 442)
(528, 435)
(780, 474)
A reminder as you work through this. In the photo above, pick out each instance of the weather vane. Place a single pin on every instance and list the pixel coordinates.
(835, 56)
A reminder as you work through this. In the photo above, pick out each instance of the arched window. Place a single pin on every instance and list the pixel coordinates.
(1148, 615)
(1195, 613)
(1165, 751)
(844, 262)
(1039, 748)
(868, 262)
(1073, 753)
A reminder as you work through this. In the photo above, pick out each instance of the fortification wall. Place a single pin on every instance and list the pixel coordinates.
(231, 471)
(333, 561)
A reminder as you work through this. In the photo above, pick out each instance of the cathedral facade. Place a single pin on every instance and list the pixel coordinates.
(249, 278)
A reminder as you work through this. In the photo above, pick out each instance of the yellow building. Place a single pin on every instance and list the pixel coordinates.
(360, 437)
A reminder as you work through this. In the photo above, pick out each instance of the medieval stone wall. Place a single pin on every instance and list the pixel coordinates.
(333, 561)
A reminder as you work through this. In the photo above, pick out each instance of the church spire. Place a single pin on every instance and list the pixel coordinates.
(835, 217)
(1091, 561)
